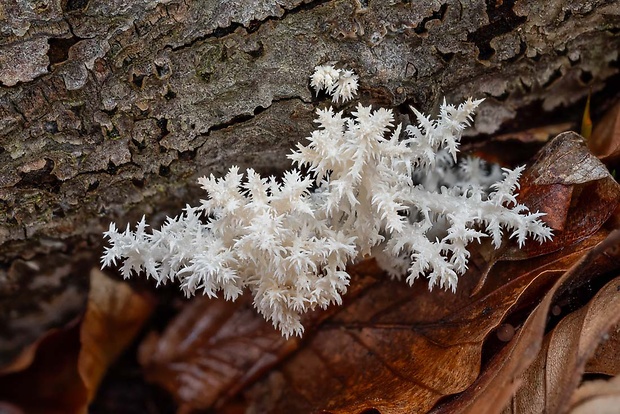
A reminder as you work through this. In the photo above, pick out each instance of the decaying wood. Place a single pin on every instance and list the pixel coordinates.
(112, 109)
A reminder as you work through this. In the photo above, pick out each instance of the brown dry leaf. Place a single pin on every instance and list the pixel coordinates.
(26, 356)
(512, 148)
(69, 363)
(573, 188)
(606, 358)
(503, 374)
(114, 315)
(555, 374)
(605, 139)
(600, 397)
(214, 348)
(399, 350)
(394, 348)
(208, 348)
(51, 384)
(538, 134)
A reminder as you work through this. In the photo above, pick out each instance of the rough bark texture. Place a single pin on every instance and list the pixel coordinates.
(111, 109)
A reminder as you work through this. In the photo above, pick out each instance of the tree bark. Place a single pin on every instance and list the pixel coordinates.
(112, 109)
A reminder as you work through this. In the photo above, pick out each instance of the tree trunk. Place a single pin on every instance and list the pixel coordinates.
(112, 109)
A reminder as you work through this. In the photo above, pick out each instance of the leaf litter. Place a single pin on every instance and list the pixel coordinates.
(396, 349)
(390, 348)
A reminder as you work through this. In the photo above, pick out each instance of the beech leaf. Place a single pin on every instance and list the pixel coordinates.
(69, 363)
(561, 362)
(209, 349)
(114, 315)
(573, 188)
(214, 348)
(605, 359)
(399, 351)
(600, 397)
(605, 139)
(503, 375)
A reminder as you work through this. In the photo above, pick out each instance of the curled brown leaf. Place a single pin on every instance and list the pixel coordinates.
(600, 397)
(605, 359)
(215, 348)
(503, 374)
(68, 364)
(561, 362)
(114, 315)
(400, 350)
(605, 139)
(575, 191)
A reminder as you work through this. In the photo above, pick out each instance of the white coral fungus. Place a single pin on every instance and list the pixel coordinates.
(340, 83)
(290, 246)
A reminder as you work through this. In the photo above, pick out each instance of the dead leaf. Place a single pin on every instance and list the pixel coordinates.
(503, 374)
(561, 362)
(69, 363)
(398, 349)
(566, 160)
(214, 348)
(575, 191)
(573, 188)
(605, 360)
(600, 397)
(605, 139)
(114, 315)
(208, 349)
(51, 384)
